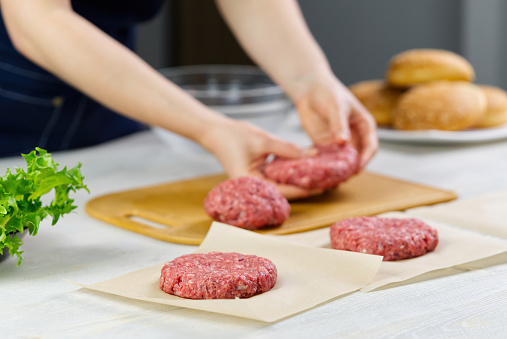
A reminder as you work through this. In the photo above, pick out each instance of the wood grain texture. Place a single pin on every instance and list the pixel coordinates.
(179, 206)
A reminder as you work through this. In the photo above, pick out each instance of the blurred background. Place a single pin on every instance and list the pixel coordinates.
(359, 37)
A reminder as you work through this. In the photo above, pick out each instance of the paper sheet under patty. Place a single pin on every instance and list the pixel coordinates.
(307, 276)
(456, 246)
(485, 214)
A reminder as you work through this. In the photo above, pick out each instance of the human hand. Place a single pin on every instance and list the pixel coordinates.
(330, 113)
(242, 148)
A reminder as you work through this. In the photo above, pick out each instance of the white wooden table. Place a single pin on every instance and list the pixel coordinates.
(36, 302)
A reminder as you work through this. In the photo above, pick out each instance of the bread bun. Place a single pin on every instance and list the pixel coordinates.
(442, 105)
(496, 110)
(378, 99)
(418, 66)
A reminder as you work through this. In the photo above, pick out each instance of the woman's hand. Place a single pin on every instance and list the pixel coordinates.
(330, 113)
(242, 148)
(275, 35)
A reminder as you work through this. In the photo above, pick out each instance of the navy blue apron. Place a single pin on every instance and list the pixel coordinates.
(38, 109)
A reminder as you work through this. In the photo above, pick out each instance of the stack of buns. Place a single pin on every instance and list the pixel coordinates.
(431, 89)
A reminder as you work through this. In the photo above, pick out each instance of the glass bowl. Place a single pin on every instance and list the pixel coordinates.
(239, 92)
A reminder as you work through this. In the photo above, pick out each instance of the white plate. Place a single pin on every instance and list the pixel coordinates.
(443, 137)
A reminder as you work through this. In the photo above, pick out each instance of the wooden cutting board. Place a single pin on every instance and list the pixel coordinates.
(174, 212)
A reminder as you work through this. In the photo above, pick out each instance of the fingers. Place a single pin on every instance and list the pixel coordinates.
(339, 121)
(243, 162)
(368, 151)
(294, 193)
(366, 131)
(237, 169)
(283, 148)
(315, 125)
(288, 191)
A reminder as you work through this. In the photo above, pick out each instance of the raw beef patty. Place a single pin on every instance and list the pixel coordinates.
(218, 275)
(394, 239)
(332, 165)
(247, 202)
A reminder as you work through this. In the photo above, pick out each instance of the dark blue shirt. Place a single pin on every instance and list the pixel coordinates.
(38, 109)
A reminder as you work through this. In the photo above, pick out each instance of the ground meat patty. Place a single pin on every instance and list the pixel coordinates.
(218, 275)
(247, 202)
(395, 239)
(332, 165)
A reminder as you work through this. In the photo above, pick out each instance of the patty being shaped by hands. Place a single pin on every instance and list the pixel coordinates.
(332, 165)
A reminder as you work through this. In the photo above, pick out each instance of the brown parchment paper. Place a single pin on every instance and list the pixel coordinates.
(456, 246)
(485, 213)
(307, 276)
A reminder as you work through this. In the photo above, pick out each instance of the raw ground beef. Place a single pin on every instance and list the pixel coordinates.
(218, 275)
(332, 165)
(247, 202)
(395, 239)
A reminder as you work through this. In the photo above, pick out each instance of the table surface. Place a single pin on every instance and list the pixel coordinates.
(36, 301)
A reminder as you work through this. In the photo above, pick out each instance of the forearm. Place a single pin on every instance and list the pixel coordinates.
(56, 38)
(275, 35)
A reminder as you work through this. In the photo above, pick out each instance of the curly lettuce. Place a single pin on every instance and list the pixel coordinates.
(20, 197)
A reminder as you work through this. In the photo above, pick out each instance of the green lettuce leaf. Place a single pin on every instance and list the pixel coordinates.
(20, 197)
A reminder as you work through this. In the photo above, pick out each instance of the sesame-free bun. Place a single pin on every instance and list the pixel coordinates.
(418, 66)
(378, 99)
(441, 105)
(496, 110)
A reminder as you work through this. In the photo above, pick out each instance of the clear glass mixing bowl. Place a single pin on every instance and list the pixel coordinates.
(240, 92)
